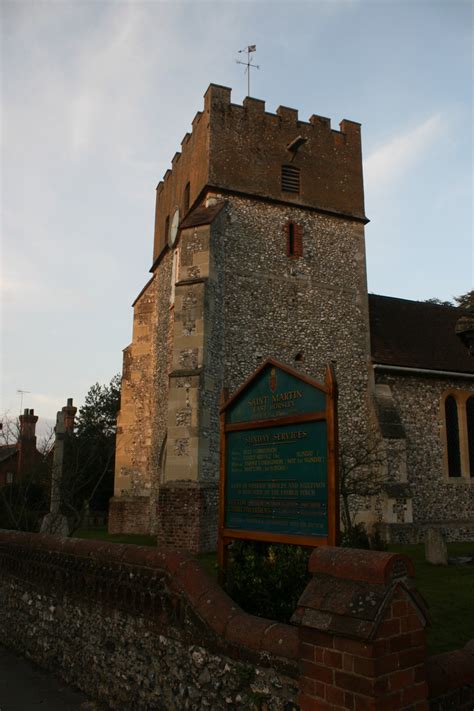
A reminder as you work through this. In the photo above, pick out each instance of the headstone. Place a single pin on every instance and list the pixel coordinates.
(436, 551)
(56, 524)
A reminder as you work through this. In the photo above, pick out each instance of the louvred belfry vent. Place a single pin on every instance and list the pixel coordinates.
(290, 179)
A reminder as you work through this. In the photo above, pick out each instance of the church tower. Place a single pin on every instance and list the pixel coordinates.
(258, 251)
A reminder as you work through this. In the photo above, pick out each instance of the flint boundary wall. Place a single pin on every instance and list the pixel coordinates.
(145, 628)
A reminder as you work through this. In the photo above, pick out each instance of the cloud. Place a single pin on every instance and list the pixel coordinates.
(41, 401)
(111, 77)
(391, 161)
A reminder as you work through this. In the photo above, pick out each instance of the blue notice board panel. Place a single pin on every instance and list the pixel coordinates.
(275, 393)
(276, 480)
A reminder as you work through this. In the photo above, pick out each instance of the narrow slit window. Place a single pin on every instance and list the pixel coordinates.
(294, 240)
(291, 239)
(290, 179)
(452, 436)
(167, 229)
(470, 432)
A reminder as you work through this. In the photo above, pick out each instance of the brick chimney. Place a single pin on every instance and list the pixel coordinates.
(69, 412)
(27, 452)
(28, 425)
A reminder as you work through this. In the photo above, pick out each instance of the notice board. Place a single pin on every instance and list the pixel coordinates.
(278, 478)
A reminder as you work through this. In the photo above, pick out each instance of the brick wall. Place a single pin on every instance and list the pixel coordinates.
(129, 514)
(187, 516)
(450, 678)
(146, 628)
(387, 673)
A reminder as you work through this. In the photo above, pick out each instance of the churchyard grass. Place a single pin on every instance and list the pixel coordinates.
(449, 592)
(101, 534)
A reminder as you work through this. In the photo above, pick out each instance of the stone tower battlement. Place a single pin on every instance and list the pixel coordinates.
(244, 149)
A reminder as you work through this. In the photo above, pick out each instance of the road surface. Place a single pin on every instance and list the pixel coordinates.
(26, 687)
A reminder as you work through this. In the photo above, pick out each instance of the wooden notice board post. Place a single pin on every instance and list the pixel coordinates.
(278, 474)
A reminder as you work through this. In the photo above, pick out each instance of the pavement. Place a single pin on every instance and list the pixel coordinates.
(26, 687)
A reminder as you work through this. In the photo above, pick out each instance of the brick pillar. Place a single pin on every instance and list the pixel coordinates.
(362, 633)
(187, 516)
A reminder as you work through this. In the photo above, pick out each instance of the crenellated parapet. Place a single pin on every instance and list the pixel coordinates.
(244, 149)
(188, 167)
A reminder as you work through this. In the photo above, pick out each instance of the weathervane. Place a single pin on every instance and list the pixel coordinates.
(251, 48)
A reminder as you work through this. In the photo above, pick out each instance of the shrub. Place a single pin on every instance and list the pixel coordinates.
(358, 537)
(267, 579)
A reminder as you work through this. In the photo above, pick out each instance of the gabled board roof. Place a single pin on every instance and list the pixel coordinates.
(202, 215)
(416, 334)
(275, 390)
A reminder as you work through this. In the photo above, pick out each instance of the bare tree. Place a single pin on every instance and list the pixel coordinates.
(9, 429)
(362, 464)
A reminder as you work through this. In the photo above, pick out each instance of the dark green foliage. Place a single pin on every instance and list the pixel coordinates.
(267, 580)
(90, 453)
(357, 537)
(464, 301)
(98, 416)
(439, 302)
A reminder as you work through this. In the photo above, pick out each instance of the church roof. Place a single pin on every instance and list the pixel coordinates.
(416, 334)
(202, 215)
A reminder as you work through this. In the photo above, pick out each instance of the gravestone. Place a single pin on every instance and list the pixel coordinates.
(436, 551)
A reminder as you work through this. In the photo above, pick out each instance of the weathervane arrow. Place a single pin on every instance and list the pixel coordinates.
(248, 64)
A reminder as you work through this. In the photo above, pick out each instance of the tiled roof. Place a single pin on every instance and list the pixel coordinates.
(202, 215)
(7, 451)
(416, 334)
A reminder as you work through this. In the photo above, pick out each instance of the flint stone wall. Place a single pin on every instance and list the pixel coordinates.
(438, 501)
(140, 628)
(272, 305)
(144, 628)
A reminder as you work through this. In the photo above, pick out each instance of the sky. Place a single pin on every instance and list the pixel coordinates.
(95, 100)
